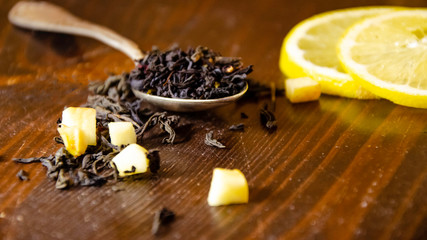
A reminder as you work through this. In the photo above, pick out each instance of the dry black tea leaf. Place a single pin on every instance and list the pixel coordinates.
(210, 141)
(131, 171)
(26, 160)
(268, 120)
(63, 181)
(198, 73)
(237, 127)
(58, 139)
(23, 175)
(85, 178)
(161, 218)
(154, 161)
(165, 122)
(243, 115)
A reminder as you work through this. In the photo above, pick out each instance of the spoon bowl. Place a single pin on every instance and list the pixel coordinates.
(187, 105)
(48, 17)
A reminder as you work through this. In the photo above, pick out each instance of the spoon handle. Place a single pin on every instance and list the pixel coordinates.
(49, 17)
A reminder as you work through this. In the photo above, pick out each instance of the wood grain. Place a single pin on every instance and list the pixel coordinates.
(334, 169)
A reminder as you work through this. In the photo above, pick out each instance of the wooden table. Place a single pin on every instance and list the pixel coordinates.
(334, 169)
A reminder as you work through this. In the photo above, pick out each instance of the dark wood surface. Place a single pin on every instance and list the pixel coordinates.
(334, 169)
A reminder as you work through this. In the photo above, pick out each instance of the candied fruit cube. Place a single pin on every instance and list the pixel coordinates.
(83, 118)
(131, 160)
(122, 133)
(74, 140)
(302, 89)
(228, 186)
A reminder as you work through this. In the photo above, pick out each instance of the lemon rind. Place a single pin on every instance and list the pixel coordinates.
(399, 94)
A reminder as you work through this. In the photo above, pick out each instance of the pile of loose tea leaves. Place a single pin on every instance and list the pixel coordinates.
(113, 102)
(198, 73)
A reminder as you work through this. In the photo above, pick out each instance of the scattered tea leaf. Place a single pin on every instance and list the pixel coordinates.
(23, 175)
(243, 115)
(210, 141)
(161, 218)
(154, 161)
(268, 120)
(63, 181)
(26, 160)
(165, 122)
(131, 171)
(237, 127)
(85, 178)
(58, 139)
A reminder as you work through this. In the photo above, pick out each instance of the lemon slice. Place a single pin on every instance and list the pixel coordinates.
(388, 55)
(309, 49)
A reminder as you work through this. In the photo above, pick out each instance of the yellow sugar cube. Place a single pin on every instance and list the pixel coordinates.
(74, 140)
(83, 118)
(228, 186)
(302, 89)
(131, 160)
(122, 133)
